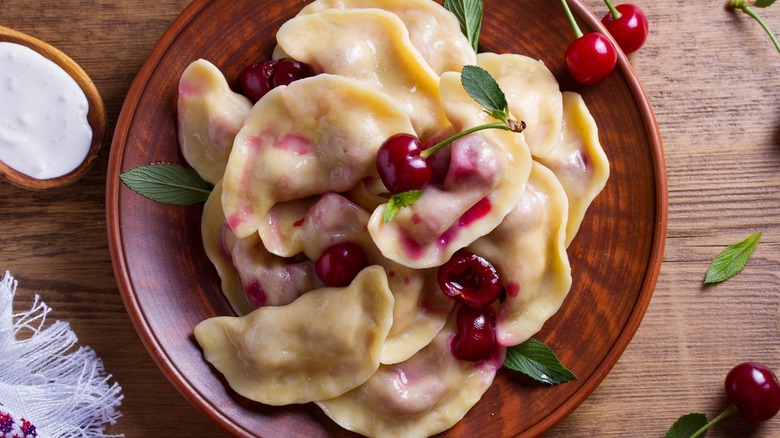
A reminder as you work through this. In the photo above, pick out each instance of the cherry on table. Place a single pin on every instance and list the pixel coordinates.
(400, 165)
(476, 336)
(755, 391)
(339, 264)
(627, 24)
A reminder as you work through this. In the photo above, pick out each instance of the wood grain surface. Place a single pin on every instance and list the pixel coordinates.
(712, 78)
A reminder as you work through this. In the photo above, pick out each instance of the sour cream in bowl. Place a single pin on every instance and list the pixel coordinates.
(52, 119)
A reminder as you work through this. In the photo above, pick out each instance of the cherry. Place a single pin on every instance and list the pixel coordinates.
(261, 77)
(257, 79)
(754, 389)
(400, 165)
(339, 264)
(628, 26)
(476, 336)
(470, 279)
(289, 70)
(591, 57)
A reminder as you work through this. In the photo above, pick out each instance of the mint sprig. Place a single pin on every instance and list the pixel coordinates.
(469, 14)
(167, 184)
(732, 260)
(480, 85)
(537, 361)
(399, 201)
(746, 6)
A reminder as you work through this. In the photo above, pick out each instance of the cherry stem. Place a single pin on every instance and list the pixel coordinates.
(574, 25)
(748, 10)
(509, 125)
(613, 10)
(726, 412)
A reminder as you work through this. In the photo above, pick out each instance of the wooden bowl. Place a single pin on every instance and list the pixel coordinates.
(168, 285)
(96, 117)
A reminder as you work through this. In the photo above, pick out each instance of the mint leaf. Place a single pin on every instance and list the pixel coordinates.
(469, 14)
(537, 361)
(687, 425)
(485, 90)
(399, 201)
(732, 260)
(167, 184)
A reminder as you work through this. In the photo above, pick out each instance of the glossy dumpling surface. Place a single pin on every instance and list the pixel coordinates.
(420, 397)
(486, 176)
(320, 346)
(533, 95)
(371, 46)
(420, 309)
(209, 116)
(529, 251)
(433, 30)
(316, 135)
(578, 160)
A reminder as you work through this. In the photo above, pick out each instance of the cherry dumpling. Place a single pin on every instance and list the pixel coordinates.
(320, 346)
(209, 116)
(315, 135)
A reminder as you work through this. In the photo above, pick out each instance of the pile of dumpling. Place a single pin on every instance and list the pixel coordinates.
(295, 173)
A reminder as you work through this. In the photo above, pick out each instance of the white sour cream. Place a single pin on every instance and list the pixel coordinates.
(44, 131)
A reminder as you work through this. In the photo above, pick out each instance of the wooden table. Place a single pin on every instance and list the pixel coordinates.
(712, 78)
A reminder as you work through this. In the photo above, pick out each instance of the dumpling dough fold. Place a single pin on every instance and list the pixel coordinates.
(210, 115)
(420, 397)
(317, 135)
(320, 346)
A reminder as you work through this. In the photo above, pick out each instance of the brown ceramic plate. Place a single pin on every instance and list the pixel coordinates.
(169, 285)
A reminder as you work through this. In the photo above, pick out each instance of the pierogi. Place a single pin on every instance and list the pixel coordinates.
(296, 174)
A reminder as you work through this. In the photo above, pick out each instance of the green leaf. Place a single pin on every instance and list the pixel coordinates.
(763, 3)
(687, 425)
(537, 361)
(167, 184)
(469, 14)
(732, 260)
(485, 90)
(399, 201)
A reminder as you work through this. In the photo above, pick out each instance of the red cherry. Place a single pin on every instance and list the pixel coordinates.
(469, 279)
(476, 336)
(340, 264)
(754, 390)
(591, 58)
(400, 165)
(257, 79)
(289, 70)
(629, 28)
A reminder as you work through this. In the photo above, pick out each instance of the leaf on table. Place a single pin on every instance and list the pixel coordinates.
(167, 184)
(687, 425)
(732, 260)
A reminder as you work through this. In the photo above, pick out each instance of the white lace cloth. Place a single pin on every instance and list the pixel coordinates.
(49, 388)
